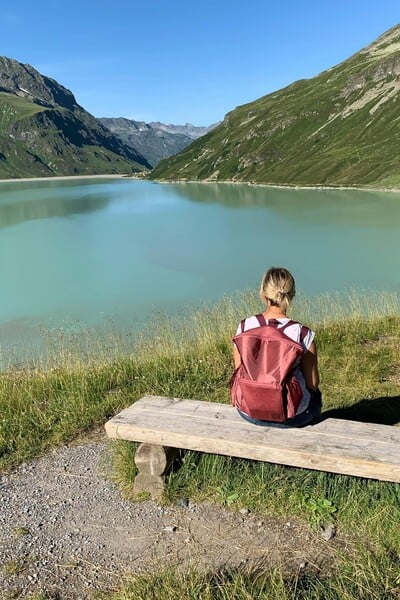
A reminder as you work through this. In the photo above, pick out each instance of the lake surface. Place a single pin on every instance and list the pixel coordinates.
(95, 250)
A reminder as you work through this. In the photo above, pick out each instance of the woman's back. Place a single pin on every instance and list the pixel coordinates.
(277, 290)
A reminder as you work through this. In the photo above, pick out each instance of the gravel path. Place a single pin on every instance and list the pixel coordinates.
(66, 531)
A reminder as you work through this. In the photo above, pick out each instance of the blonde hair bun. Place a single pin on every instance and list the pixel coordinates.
(278, 286)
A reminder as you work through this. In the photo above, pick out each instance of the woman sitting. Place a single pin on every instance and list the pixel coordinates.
(277, 291)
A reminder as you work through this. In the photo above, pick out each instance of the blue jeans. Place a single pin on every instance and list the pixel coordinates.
(312, 413)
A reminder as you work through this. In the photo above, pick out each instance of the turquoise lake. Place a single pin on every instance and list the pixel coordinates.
(94, 251)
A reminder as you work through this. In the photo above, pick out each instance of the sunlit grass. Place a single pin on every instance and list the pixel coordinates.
(349, 582)
(85, 378)
(91, 377)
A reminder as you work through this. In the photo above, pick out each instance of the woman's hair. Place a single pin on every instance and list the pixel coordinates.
(278, 287)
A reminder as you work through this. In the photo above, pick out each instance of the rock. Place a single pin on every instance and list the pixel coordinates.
(244, 511)
(170, 528)
(183, 502)
(329, 532)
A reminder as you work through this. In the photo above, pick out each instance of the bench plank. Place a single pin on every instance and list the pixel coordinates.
(336, 445)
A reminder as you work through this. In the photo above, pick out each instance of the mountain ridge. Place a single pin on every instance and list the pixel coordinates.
(154, 140)
(44, 131)
(152, 143)
(192, 131)
(340, 127)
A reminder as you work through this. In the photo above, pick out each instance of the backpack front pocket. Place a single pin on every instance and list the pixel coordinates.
(263, 401)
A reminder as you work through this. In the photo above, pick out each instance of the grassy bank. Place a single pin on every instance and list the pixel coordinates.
(358, 341)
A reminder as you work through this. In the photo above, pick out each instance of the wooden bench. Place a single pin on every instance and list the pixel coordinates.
(335, 445)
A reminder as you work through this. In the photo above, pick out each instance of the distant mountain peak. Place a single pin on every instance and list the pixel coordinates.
(192, 131)
(155, 140)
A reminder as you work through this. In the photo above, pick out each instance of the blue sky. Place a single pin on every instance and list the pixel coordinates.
(181, 61)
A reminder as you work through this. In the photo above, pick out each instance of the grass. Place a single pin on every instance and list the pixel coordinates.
(38, 141)
(13, 108)
(271, 585)
(358, 340)
(13, 567)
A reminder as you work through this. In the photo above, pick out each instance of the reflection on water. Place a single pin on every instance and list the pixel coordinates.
(344, 207)
(136, 247)
(20, 211)
(45, 199)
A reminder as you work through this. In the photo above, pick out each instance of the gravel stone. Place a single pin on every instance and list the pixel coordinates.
(329, 532)
(66, 531)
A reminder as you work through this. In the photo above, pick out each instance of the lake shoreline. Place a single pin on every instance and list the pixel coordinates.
(280, 186)
(207, 181)
(66, 177)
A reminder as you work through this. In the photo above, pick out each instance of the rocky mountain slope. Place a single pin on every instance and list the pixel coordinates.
(192, 131)
(44, 131)
(153, 143)
(341, 127)
(154, 140)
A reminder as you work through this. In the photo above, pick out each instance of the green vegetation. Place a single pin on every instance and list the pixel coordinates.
(13, 109)
(349, 584)
(39, 141)
(44, 132)
(339, 128)
(15, 159)
(358, 340)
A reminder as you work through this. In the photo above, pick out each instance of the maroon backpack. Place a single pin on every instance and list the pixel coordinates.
(264, 385)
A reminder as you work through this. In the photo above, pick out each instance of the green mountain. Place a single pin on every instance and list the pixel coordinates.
(44, 132)
(341, 127)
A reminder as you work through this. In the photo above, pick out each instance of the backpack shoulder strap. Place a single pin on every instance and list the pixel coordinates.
(261, 320)
(303, 330)
(273, 323)
(286, 325)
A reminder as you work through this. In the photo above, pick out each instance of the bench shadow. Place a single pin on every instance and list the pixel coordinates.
(384, 411)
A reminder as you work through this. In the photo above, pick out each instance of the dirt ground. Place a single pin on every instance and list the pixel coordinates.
(66, 531)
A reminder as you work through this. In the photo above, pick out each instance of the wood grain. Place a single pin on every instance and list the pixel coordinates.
(335, 445)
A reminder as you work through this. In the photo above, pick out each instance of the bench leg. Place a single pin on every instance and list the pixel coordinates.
(152, 463)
